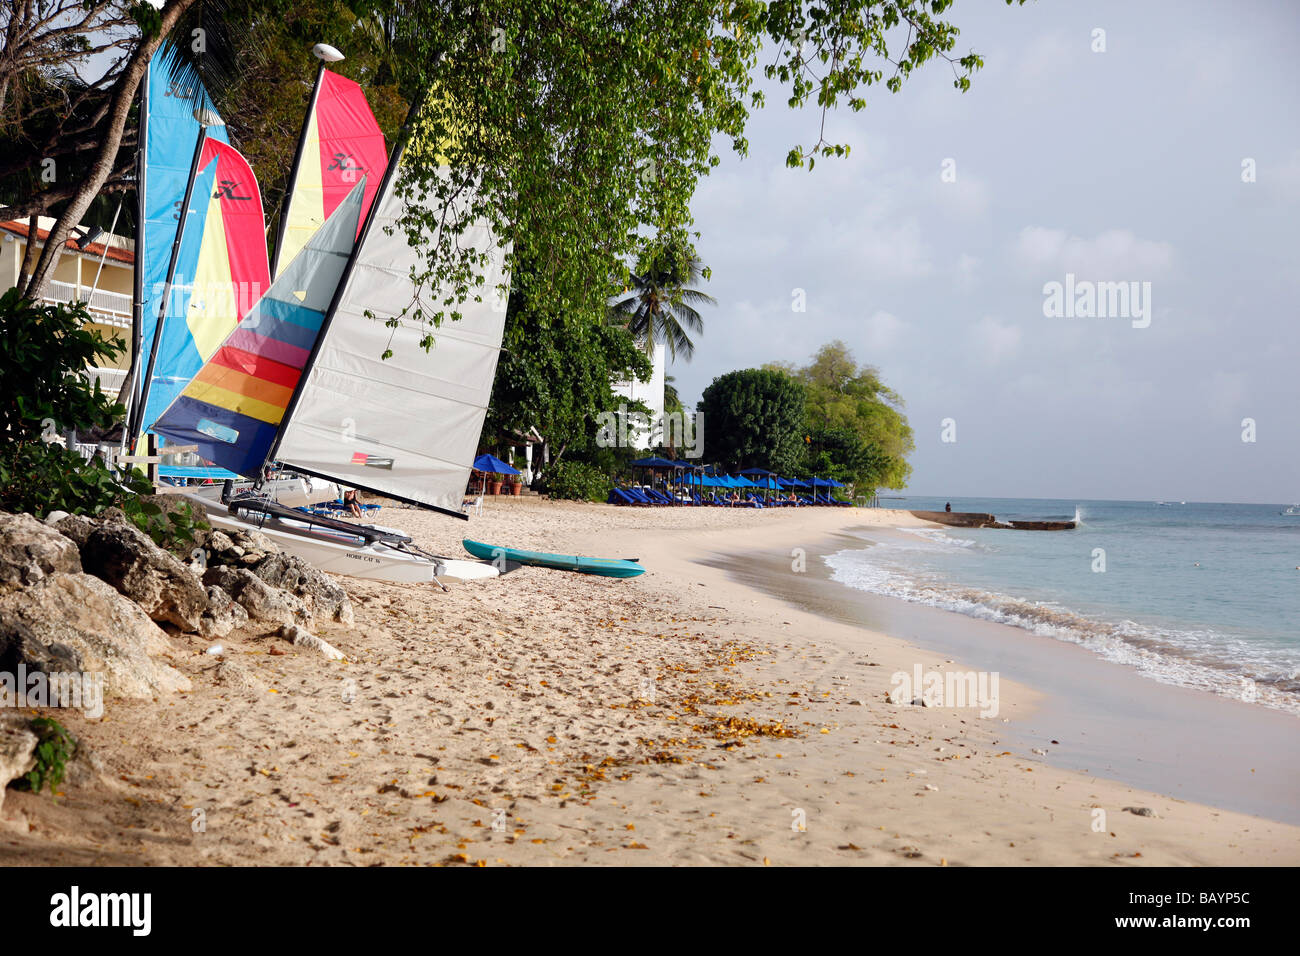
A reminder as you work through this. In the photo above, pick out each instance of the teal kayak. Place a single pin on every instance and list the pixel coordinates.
(608, 567)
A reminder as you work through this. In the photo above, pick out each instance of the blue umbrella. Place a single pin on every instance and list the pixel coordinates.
(654, 463)
(493, 464)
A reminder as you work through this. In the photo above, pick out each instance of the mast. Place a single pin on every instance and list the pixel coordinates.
(206, 118)
(132, 382)
(326, 54)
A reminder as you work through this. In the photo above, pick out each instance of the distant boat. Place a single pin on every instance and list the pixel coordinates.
(1292, 512)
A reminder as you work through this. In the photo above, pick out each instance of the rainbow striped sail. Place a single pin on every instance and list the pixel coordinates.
(229, 271)
(233, 406)
(341, 144)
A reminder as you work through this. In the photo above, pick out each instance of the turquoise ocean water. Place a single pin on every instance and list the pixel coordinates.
(1195, 594)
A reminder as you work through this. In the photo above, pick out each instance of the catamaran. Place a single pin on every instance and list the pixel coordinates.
(299, 380)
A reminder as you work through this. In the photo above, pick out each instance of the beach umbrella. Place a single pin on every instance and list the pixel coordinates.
(491, 463)
(761, 473)
(654, 463)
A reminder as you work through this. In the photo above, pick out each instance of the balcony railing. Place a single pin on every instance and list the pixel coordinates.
(110, 379)
(109, 308)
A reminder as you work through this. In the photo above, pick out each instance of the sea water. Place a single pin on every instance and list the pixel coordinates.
(1195, 594)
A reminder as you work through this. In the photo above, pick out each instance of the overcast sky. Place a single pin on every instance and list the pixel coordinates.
(1124, 165)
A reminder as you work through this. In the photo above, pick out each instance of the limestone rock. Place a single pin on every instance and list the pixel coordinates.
(304, 638)
(323, 596)
(86, 767)
(222, 616)
(76, 527)
(17, 749)
(75, 623)
(159, 582)
(263, 602)
(239, 546)
(30, 550)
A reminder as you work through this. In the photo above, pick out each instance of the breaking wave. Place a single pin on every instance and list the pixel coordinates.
(1204, 659)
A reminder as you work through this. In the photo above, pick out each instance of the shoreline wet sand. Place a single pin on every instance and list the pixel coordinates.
(1109, 719)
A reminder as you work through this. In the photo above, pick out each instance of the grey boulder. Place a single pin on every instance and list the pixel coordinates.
(325, 599)
(30, 551)
(76, 624)
(164, 587)
(223, 615)
(264, 603)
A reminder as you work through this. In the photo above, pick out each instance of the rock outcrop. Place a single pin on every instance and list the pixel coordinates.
(300, 637)
(165, 588)
(76, 527)
(30, 551)
(223, 615)
(17, 749)
(239, 547)
(77, 624)
(316, 589)
(264, 603)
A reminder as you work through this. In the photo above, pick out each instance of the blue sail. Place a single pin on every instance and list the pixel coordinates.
(170, 134)
(171, 373)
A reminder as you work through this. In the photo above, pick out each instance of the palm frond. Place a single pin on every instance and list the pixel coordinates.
(206, 51)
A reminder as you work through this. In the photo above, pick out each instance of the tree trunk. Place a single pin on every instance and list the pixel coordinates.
(105, 158)
(29, 254)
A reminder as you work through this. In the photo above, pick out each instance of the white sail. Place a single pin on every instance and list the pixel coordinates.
(407, 426)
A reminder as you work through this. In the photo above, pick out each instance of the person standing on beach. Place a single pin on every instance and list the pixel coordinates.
(948, 506)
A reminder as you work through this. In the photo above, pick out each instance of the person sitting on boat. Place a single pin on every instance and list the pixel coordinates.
(351, 504)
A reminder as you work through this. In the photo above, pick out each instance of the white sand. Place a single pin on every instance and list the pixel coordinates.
(524, 702)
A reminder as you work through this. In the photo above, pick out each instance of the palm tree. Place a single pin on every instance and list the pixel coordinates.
(659, 303)
(672, 401)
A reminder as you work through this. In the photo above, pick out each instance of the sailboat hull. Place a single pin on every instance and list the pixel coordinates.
(292, 492)
(340, 553)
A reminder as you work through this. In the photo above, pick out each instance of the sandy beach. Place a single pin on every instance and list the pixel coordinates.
(682, 717)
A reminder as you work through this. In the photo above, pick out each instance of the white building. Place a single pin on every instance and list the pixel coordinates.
(651, 394)
(96, 268)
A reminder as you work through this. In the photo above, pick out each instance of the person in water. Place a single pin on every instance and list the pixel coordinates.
(948, 506)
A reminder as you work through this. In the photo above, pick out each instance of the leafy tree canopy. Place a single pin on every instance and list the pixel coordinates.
(754, 418)
(576, 128)
(555, 373)
(580, 128)
(855, 424)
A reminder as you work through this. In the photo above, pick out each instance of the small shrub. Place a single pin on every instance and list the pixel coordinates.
(577, 481)
(54, 750)
(44, 352)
